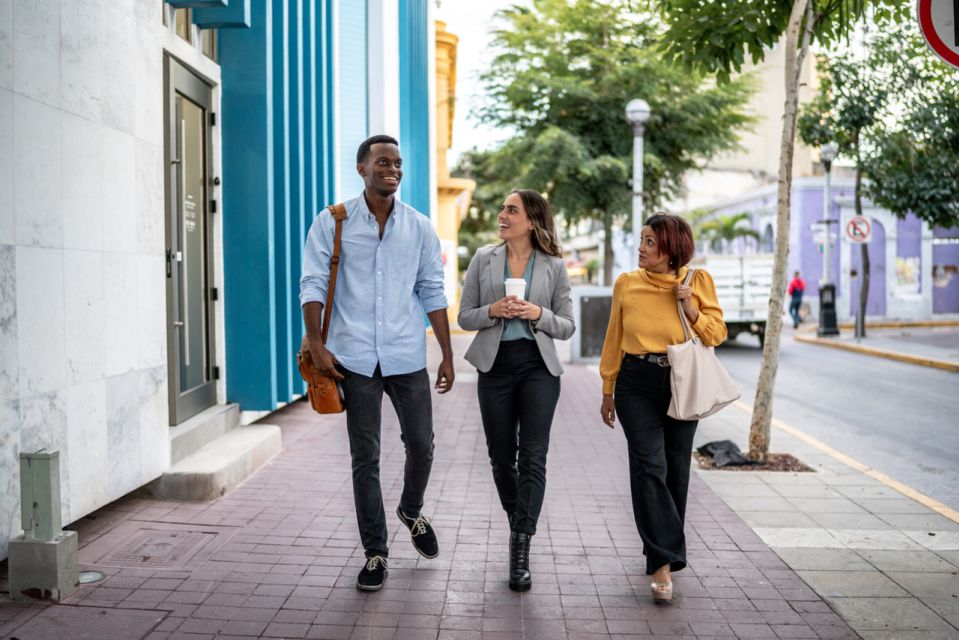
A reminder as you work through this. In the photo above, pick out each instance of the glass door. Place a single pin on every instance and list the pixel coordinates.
(189, 271)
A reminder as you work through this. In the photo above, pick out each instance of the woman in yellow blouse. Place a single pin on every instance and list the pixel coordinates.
(643, 321)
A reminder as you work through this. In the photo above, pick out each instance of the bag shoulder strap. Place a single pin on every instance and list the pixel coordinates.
(338, 211)
(679, 307)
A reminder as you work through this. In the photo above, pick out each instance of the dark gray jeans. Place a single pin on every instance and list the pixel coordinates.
(660, 449)
(411, 398)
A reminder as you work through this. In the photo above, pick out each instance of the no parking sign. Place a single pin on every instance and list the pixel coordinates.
(939, 22)
(858, 229)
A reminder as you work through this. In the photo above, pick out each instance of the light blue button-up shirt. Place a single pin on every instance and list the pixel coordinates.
(383, 287)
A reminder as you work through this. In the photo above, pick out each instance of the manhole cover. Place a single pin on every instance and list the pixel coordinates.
(158, 549)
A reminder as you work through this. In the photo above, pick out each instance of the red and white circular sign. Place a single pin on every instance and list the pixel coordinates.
(939, 22)
(858, 229)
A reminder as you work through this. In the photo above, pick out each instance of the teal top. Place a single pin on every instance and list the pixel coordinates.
(517, 328)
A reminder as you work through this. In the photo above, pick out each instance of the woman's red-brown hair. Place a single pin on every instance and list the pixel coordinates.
(674, 237)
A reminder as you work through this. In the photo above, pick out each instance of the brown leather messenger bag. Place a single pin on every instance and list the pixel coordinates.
(325, 393)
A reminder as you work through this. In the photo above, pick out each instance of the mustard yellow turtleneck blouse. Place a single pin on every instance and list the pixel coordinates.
(644, 317)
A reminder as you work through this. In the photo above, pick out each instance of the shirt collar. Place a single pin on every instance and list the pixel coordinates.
(397, 205)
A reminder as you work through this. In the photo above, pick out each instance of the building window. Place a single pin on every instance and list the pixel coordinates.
(163, 11)
(208, 42)
(181, 21)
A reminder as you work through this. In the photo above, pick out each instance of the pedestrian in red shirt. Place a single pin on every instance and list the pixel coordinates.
(797, 286)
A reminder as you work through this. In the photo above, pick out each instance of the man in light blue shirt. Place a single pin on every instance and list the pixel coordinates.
(390, 274)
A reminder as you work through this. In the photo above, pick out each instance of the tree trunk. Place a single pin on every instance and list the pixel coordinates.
(798, 36)
(608, 265)
(864, 253)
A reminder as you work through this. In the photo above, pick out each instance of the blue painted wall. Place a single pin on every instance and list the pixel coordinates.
(353, 93)
(277, 166)
(414, 103)
(280, 148)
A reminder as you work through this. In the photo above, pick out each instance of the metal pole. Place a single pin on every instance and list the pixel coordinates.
(638, 217)
(825, 217)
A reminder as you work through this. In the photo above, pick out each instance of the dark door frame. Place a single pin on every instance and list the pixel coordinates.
(178, 79)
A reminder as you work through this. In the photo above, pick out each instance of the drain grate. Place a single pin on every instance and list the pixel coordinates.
(158, 549)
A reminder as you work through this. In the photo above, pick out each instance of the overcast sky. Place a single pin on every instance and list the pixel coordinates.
(471, 20)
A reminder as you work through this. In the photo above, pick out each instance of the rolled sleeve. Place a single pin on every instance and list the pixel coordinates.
(429, 286)
(316, 262)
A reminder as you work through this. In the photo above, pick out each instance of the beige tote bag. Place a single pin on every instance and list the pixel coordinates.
(700, 384)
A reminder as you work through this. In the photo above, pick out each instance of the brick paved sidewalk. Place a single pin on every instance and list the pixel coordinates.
(278, 557)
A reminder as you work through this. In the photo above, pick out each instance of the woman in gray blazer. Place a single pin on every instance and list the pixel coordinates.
(518, 366)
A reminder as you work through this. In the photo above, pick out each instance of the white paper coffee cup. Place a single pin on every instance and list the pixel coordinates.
(516, 287)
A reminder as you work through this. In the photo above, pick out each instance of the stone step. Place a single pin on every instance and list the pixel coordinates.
(202, 429)
(221, 465)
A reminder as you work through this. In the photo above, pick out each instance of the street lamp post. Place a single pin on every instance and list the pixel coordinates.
(637, 114)
(827, 290)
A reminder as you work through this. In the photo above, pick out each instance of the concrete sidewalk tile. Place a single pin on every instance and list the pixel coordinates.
(852, 584)
(936, 540)
(929, 522)
(865, 521)
(777, 519)
(946, 606)
(889, 614)
(865, 539)
(928, 585)
(798, 537)
(827, 505)
(759, 504)
(893, 505)
(822, 559)
(917, 560)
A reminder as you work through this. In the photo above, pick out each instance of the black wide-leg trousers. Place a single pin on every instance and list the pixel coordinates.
(660, 450)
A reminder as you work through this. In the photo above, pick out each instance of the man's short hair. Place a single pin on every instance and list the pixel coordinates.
(363, 153)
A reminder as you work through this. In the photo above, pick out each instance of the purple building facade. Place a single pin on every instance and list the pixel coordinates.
(913, 268)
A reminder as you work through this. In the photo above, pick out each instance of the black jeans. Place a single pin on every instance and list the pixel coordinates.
(660, 449)
(517, 398)
(410, 394)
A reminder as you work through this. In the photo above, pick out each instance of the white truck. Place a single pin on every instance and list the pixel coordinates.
(742, 286)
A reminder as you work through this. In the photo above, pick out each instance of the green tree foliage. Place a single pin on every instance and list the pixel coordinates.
(561, 77)
(716, 36)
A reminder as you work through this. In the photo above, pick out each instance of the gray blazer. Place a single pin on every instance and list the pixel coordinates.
(484, 285)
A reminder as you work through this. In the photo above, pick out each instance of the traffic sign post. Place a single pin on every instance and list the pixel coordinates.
(939, 23)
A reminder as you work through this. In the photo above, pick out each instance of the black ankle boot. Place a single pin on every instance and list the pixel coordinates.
(519, 577)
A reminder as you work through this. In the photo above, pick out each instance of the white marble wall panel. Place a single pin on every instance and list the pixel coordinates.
(154, 422)
(43, 425)
(148, 12)
(119, 311)
(80, 63)
(9, 471)
(36, 44)
(151, 311)
(9, 360)
(117, 175)
(82, 196)
(83, 307)
(36, 157)
(6, 44)
(40, 328)
(7, 226)
(150, 212)
(123, 433)
(87, 444)
(118, 67)
(148, 123)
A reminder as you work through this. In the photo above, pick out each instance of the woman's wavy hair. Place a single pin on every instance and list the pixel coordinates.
(539, 213)
(674, 237)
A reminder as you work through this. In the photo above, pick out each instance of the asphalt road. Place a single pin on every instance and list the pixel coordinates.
(900, 419)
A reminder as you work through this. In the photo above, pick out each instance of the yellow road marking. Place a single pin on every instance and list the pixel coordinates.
(892, 483)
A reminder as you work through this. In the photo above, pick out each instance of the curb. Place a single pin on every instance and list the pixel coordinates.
(881, 353)
(902, 324)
